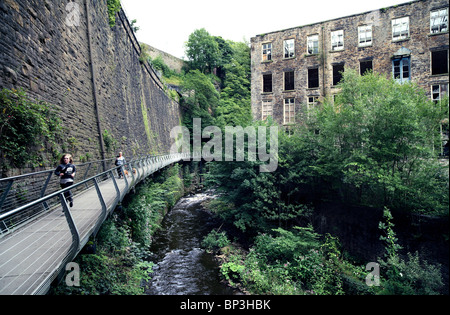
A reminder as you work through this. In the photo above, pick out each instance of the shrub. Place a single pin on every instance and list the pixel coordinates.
(215, 240)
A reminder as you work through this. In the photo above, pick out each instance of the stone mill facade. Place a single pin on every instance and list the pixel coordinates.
(295, 69)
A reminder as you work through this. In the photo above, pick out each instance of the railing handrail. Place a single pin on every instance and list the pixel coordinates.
(58, 192)
(78, 165)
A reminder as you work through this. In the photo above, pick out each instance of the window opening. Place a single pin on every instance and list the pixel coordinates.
(400, 28)
(267, 52)
(267, 83)
(401, 69)
(365, 66)
(267, 109)
(337, 73)
(439, 62)
(365, 35)
(313, 44)
(337, 40)
(313, 78)
(439, 21)
(289, 81)
(289, 110)
(289, 48)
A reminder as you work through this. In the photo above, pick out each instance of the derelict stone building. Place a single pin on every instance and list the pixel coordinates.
(294, 69)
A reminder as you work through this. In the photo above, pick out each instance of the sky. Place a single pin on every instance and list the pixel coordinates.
(166, 25)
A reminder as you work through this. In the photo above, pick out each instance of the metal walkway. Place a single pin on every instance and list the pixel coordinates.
(38, 238)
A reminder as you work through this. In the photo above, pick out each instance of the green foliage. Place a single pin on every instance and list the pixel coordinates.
(258, 201)
(235, 98)
(202, 50)
(291, 262)
(215, 240)
(405, 276)
(389, 237)
(29, 129)
(113, 7)
(377, 143)
(410, 276)
(201, 100)
(109, 141)
(117, 267)
(152, 201)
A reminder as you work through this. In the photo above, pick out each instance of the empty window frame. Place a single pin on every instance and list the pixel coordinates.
(313, 78)
(313, 44)
(438, 92)
(289, 81)
(365, 66)
(401, 69)
(400, 28)
(365, 35)
(267, 83)
(289, 111)
(312, 103)
(439, 62)
(289, 48)
(337, 73)
(267, 52)
(267, 109)
(337, 40)
(439, 21)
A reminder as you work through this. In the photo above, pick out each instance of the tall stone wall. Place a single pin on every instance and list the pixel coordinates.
(67, 54)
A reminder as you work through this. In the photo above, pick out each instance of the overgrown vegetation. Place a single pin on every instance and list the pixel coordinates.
(113, 7)
(30, 131)
(375, 145)
(301, 262)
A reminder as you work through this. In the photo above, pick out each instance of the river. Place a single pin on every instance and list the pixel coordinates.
(182, 267)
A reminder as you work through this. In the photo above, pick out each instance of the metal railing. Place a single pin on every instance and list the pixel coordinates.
(36, 245)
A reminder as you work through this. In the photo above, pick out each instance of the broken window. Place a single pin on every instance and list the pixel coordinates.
(438, 92)
(401, 69)
(267, 52)
(289, 111)
(337, 73)
(267, 83)
(337, 40)
(289, 48)
(400, 28)
(311, 104)
(365, 35)
(267, 109)
(365, 66)
(289, 81)
(439, 21)
(313, 44)
(439, 62)
(313, 78)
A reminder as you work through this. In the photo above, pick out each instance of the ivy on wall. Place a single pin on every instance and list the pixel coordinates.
(113, 8)
(30, 131)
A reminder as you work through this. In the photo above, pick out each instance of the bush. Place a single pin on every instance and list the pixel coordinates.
(29, 131)
(215, 240)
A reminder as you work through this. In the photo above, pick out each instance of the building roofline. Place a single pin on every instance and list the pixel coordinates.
(339, 18)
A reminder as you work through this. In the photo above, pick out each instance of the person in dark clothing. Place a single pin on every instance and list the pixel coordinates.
(66, 172)
(120, 161)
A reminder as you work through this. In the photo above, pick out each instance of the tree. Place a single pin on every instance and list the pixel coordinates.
(202, 50)
(377, 142)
